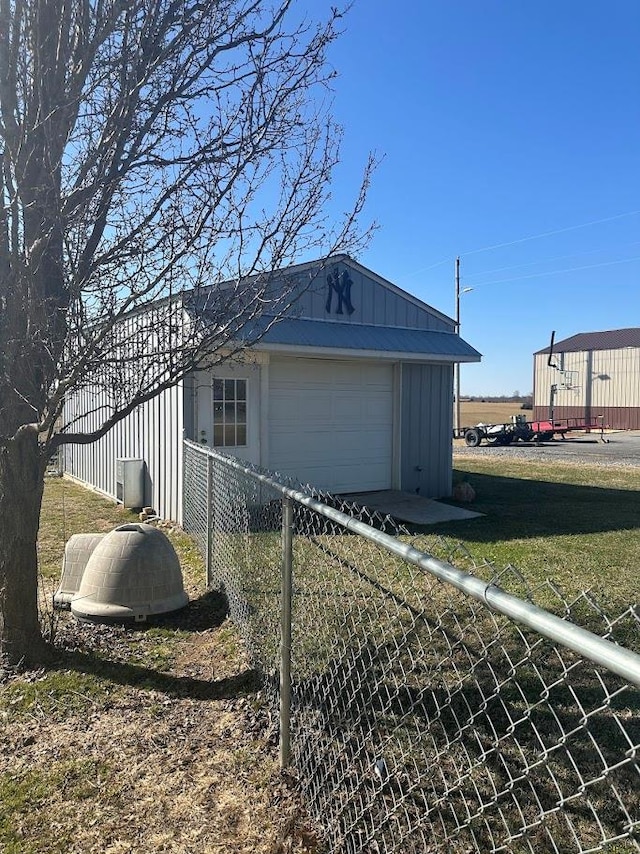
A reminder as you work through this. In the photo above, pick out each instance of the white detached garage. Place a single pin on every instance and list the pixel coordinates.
(326, 422)
(351, 392)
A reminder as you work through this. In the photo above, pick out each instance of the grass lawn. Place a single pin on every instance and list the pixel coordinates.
(578, 525)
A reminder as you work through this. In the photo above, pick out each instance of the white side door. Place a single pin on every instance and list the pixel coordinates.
(227, 410)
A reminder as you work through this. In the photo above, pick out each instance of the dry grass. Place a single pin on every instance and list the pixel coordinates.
(476, 412)
(153, 739)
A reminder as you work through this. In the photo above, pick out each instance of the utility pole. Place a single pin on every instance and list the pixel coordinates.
(456, 418)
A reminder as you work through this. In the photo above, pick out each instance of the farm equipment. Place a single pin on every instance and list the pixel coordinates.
(521, 430)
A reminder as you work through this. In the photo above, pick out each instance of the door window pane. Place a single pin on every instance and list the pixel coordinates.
(229, 413)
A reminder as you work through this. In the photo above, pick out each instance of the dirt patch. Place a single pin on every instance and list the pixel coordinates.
(179, 757)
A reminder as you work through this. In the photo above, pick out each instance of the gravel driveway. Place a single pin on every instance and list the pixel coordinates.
(620, 449)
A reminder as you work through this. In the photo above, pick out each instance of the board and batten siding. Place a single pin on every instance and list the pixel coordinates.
(152, 432)
(426, 429)
(374, 304)
(605, 383)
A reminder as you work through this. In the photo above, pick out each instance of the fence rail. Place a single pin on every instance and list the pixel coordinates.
(430, 710)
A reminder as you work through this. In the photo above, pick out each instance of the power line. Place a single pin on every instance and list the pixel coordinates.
(526, 239)
(557, 272)
(550, 233)
(554, 258)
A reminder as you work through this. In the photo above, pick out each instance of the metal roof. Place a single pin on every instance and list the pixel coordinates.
(300, 332)
(613, 339)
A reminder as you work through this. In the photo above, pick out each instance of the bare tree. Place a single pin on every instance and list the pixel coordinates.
(152, 149)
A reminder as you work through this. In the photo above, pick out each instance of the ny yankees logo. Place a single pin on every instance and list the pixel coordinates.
(340, 283)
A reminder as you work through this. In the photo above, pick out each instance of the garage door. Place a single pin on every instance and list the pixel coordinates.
(331, 423)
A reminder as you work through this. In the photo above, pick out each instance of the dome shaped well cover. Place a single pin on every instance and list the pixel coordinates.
(133, 573)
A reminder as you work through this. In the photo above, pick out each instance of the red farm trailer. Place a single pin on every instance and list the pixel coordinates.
(521, 430)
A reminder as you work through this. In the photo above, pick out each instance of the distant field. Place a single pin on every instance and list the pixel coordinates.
(477, 412)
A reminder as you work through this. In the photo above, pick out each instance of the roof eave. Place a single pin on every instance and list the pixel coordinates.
(353, 353)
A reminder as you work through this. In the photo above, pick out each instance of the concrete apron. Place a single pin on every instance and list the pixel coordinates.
(408, 507)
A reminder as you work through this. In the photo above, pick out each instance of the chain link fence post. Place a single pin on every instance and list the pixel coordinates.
(208, 537)
(285, 632)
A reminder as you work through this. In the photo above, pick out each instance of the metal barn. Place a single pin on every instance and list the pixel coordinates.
(593, 376)
(351, 392)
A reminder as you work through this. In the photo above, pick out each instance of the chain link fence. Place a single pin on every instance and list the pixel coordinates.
(431, 708)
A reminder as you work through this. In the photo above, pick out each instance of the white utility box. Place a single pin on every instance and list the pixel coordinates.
(130, 482)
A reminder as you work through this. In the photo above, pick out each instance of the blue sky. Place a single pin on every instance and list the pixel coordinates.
(497, 121)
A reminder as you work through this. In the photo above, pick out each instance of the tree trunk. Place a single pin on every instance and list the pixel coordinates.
(21, 487)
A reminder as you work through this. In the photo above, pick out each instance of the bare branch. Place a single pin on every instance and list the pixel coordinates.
(156, 153)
